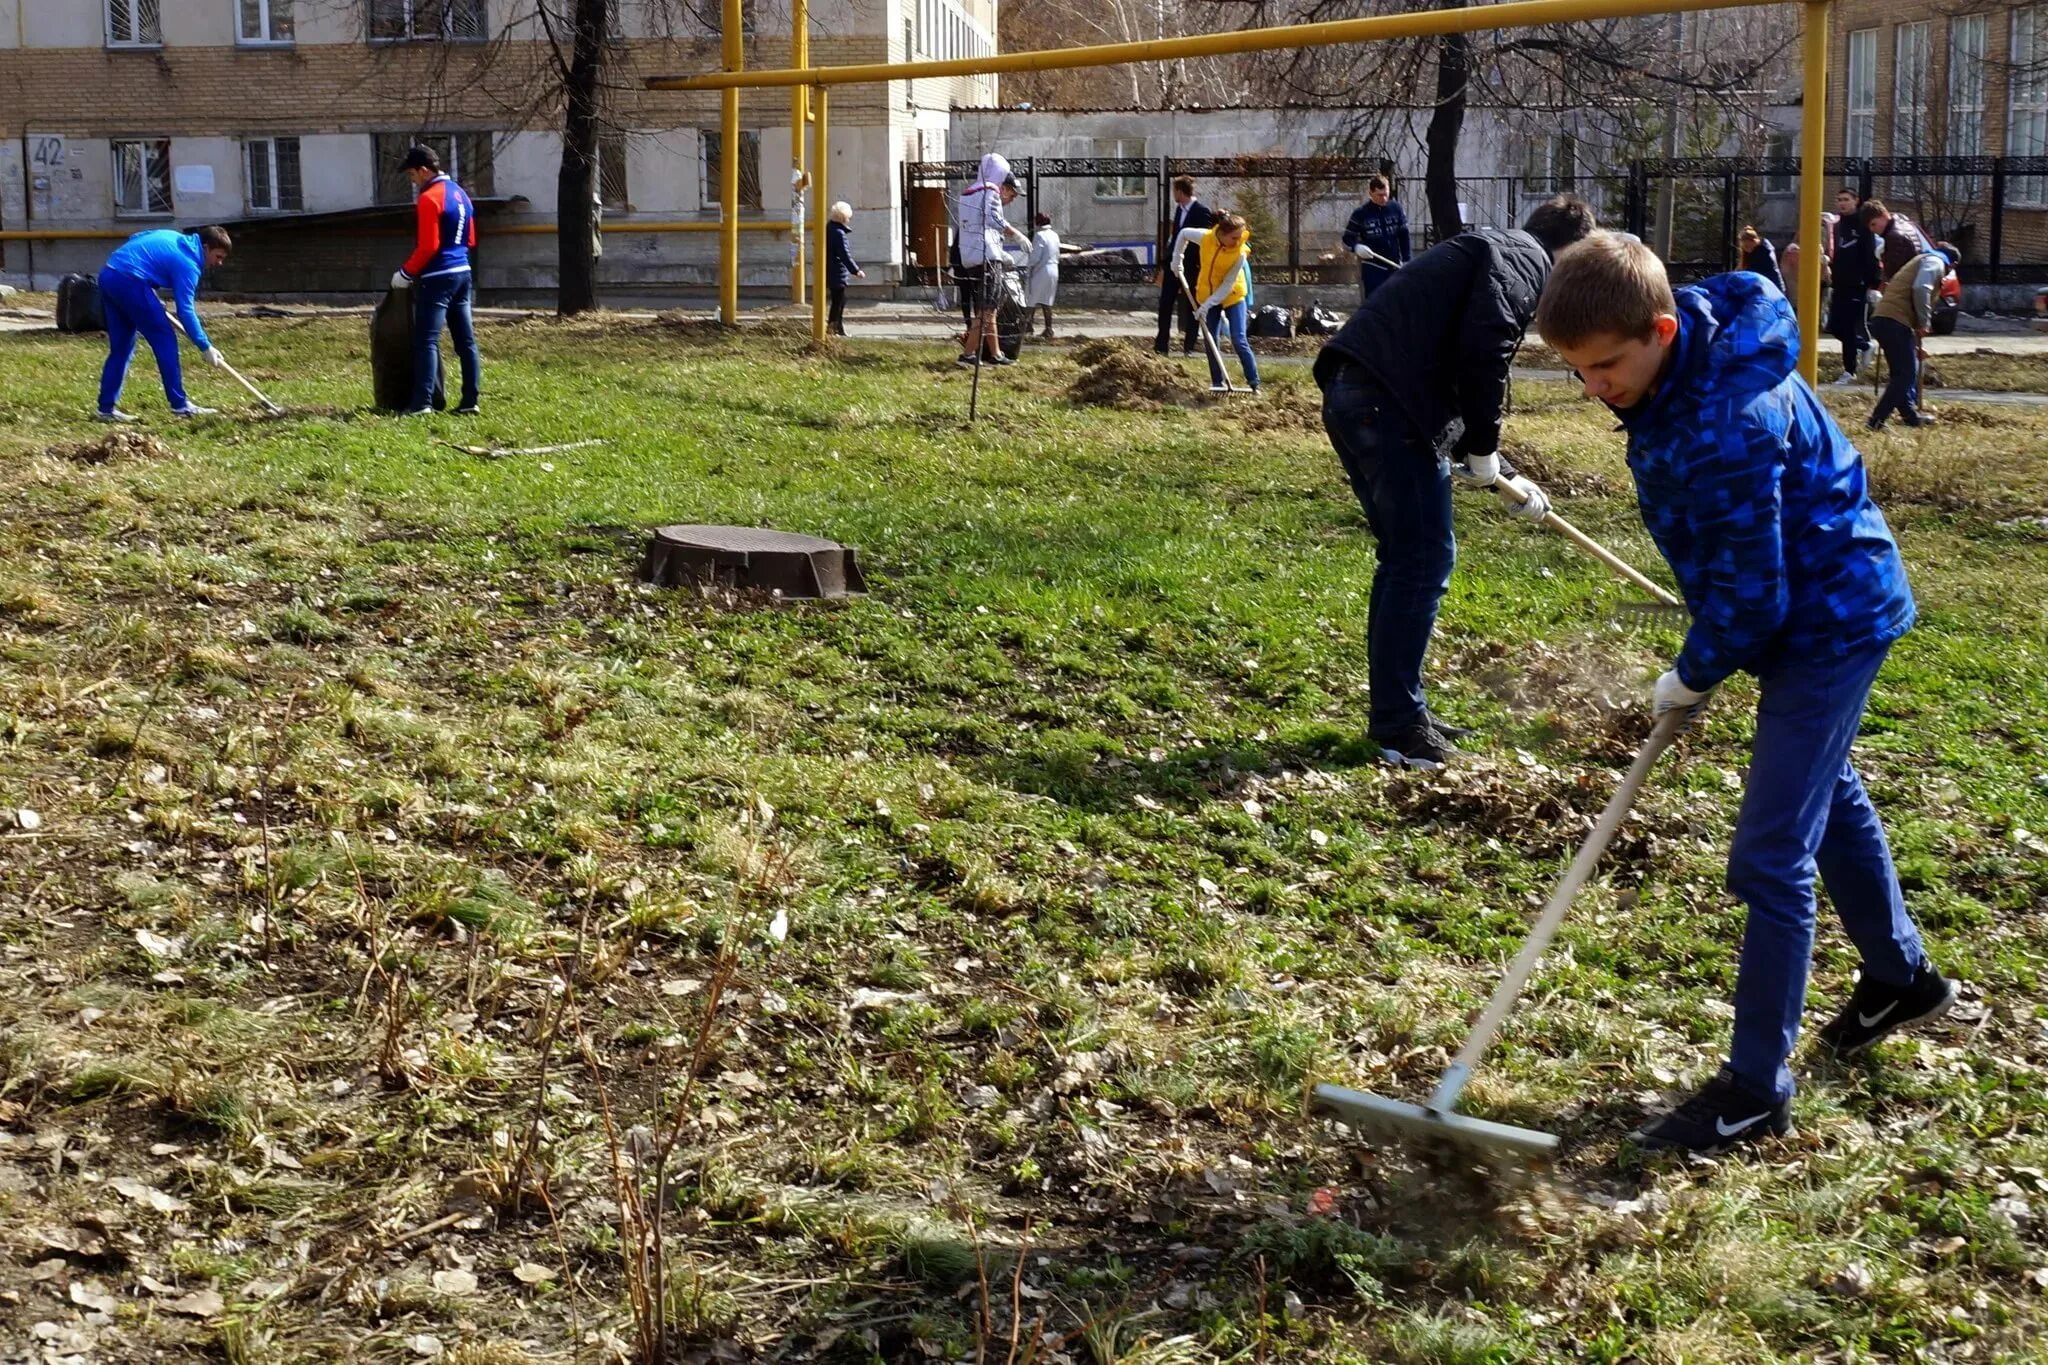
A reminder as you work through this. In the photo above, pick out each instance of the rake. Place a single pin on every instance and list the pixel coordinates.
(274, 409)
(1438, 1122)
(1208, 339)
(1661, 600)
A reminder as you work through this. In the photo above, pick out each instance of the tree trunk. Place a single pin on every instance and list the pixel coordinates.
(1446, 122)
(576, 188)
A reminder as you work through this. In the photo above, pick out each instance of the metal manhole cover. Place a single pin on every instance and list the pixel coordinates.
(742, 557)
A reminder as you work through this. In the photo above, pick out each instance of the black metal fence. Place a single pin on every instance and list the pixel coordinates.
(1994, 209)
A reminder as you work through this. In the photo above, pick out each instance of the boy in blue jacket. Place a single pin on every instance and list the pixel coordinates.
(1759, 503)
(160, 259)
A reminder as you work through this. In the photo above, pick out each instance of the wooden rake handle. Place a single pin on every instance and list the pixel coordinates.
(254, 392)
(1533, 948)
(1209, 345)
(1610, 559)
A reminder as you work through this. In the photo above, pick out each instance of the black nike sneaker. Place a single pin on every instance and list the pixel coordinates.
(1876, 1011)
(1725, 1114)
(1451, 732)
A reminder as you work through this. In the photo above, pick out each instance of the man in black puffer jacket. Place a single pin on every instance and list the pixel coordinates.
(1418, 379)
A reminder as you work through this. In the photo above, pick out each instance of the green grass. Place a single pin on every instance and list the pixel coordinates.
(387, 742)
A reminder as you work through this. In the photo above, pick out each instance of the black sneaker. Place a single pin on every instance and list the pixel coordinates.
(1451, 732)
(1876, 1011)
(1421, 745)
(965, 362)
(1724, 1114)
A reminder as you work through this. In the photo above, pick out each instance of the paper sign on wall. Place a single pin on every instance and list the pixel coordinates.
(192, 179)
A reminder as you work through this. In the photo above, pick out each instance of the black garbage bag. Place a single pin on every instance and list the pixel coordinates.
(78, 305)
(391, 333)
(1269, 320)
(1318, 321)
(1013, 319)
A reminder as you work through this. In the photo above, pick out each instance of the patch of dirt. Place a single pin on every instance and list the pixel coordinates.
(115, 445)
(1288, 409)
(1555, 477)
(1118, 376)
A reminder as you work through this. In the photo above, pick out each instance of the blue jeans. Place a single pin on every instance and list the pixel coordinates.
(1902, 386)
(1238, 313)
(1371, 277)
(131, 308)
(438, 300)
(1804, 811)
(1405, 488)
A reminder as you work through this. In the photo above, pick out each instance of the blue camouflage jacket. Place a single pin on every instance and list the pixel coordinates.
(1755, 497)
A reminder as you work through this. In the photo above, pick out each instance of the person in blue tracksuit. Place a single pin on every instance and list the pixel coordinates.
(1762, 508)
(163, 258)
(1378, 229)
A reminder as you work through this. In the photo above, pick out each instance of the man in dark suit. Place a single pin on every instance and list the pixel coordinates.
(1188, 212)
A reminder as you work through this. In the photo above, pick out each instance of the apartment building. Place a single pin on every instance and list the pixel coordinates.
(286, 119)
(1909, 79)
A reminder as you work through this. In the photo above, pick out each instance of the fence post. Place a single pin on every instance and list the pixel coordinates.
(1293, 223)
(1865, 183)
(1031, 193)
(1997, 219)
(1728, 216)
(1637, 209)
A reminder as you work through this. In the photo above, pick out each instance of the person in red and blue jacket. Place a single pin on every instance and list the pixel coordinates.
(439, 269)
(1762, 508)
(163, 258)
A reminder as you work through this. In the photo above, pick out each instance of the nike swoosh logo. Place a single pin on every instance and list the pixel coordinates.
(1873, 1020)
(1727, 1129)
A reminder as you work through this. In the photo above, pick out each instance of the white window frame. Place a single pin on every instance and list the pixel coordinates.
(709, 148)
(1912, 79)
(267, 148)
(1968, 45)
(269, 12)
(410, 10)
(2026, 131)
(1859, 123)
(1120, 189)
(1553, 150)
(145, 23)
(1781, 143)
(159, 146)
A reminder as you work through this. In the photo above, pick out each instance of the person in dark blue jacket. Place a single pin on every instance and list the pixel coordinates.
(1760, 505)
(160, 259)
(1759, 257)
(839, 264)
(1376, 234)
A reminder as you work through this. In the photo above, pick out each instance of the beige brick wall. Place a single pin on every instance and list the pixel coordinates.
(2025, 230)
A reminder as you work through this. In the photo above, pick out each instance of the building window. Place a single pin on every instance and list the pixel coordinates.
(611, 171)
(275, 185)
(134, 23)
(1966, 33)
(1339, 147)
(1859, 137)
(264, 21)
(426, 21)
(142, 178)
(1120, 186)
(710, 165)
(1548, 164)
(2027, 96)
(1912, 45)
(465, 156)
(1782, 145)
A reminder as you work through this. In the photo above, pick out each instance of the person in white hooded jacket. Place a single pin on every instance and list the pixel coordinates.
(982, 229)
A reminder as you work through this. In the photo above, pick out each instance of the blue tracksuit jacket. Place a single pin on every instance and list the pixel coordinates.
(164, 258)
(1756, 498)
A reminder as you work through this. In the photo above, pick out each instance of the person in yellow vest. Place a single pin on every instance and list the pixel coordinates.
(1222, 289)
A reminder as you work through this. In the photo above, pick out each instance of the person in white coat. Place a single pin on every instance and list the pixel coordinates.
(1042, 281)
(982, 230)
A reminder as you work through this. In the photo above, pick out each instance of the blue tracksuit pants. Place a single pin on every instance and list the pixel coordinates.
(1805, 813)
(131, 307)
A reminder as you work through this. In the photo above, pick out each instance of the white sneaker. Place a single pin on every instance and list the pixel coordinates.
(194, 410)
(1843, 380)
(113, 415)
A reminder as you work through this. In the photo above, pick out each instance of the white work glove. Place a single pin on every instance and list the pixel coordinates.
(401, 280)
(1362, 252)
(1874, 297)
(215, 358)
(1202, 316)
(1673, 695)
(1481, 471)
(1523, 498)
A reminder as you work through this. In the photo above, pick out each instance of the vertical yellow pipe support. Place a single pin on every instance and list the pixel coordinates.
(729, 170)
(821, 185)
(799, 116)
(1813, 133)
